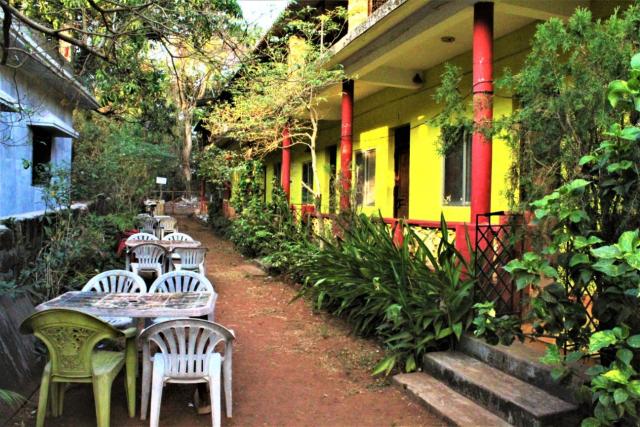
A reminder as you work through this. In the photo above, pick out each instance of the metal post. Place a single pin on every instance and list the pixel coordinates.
(481, 150)
(346, 141)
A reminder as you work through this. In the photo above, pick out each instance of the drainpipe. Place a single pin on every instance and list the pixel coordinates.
(482, 108)
(285, 170)
(346, 138)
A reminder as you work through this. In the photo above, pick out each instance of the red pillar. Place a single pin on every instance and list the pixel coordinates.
(482, 108)
(285, 169)
(346, 138)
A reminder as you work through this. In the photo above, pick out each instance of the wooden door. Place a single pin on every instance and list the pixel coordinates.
(401, 188)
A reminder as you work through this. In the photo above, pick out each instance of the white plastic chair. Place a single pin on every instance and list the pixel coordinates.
(150, 258)
(178, 237)
(116, 281)
(136, 237)
(183, 281)
(166, 226)
(142, 236)
(191, 259)
(189, 351)
(149, 225)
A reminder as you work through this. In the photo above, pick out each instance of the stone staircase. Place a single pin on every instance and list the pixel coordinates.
(483, 385)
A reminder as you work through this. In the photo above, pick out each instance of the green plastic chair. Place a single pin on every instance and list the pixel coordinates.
(71, 338)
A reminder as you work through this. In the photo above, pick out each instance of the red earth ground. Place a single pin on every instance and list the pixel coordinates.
(292, 366)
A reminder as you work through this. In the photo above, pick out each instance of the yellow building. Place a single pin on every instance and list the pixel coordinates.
(395, 50)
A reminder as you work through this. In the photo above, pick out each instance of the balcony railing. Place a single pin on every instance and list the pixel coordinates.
(375, 5)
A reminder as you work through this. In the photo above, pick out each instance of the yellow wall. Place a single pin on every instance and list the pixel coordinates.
(358, 12)
(374, 121)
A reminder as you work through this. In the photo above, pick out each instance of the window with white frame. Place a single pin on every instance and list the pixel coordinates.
(457, 167)
(366, 177)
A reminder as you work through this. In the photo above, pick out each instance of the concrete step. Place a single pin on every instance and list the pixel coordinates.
(446, 403)
(514, 400)
(521, 361)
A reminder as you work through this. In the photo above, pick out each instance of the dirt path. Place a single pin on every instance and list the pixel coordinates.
(291, 366)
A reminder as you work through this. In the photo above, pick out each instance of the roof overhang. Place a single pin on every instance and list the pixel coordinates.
(42, 62)
(53, 124)
(402, 40)
(8, 103)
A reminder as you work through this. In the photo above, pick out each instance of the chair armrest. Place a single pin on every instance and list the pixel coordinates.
(131, 332)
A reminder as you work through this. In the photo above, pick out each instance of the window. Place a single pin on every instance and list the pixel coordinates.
(42, 142)
(277, 173)
(366, 178)
(457, 168)
(307, 179)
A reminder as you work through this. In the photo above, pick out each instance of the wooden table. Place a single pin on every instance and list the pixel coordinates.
(187, 304)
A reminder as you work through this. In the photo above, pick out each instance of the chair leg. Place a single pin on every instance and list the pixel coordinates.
(102, 397)
(44, 395)
(156, 390)
(62, 389)
(215, 362)
(131, 365)
(54, 402)
(146, 386)
(227, 381)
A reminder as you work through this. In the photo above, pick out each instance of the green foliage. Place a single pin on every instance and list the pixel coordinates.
(496, 330)
(266, 229)
(119, 160)
(11, 398)
(412, 299)
(594, 245)
(76, 244)
(76, 248)
(282, 86)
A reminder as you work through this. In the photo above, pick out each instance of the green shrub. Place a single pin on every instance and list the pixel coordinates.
(262, 229)
(412, 299)
(594, 248)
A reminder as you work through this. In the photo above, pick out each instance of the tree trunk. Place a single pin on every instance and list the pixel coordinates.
(186, 151)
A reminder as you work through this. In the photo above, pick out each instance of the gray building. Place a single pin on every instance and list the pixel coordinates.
(38, 93)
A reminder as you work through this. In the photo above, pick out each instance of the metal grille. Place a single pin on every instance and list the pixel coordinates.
(496, 245)
(375, 5)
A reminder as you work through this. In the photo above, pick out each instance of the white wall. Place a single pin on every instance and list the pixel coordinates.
(17, 195)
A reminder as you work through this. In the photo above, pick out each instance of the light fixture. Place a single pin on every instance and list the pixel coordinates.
(447, 39)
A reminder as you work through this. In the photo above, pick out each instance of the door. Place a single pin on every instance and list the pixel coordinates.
(401, 157)
(332, 151)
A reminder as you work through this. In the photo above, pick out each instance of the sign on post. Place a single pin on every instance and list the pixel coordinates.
(161, 180)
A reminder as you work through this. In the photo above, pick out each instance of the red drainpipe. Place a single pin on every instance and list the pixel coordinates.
(285, 170)
(346, 137)
(482, 108)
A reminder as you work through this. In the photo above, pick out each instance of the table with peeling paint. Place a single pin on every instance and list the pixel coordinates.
(183, 304)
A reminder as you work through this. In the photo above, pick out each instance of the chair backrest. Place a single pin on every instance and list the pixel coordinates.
(191, 257)
(181, 281)
(185, 345)
(168, 223)
(149, 224)
(141, 236)
(121, 281)
(179, 237)
(149, 255)
(70, 337)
